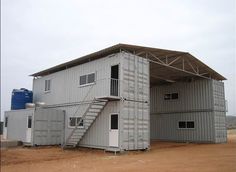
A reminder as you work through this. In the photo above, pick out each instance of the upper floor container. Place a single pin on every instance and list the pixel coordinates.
(20, 97)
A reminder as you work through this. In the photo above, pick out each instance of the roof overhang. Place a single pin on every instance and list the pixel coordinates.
(165, 65)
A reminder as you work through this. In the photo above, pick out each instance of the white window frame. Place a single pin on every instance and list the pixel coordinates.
(186, 124)
(77, 120)
(118, 120)
(87, 84)
(47, 87)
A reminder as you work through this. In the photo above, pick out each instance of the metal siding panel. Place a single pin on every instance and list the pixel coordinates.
(219, 111)
(165, 127)
(220, 127)
(135, 110)
(193, 96)
(65, 83)
(48, 127)
(218, 96)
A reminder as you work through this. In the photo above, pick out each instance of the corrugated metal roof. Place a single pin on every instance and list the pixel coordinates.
(132, 49)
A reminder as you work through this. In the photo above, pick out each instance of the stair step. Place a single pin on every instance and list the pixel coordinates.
(71, 143)
(88, 120)
(80, 130)
(90, 117)
(91, 111)
(92, 114)
(78, 134)
(74, 139)
(101, 100)
(96, 108)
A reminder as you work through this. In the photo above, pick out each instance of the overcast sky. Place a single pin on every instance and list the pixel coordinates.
(36, 35)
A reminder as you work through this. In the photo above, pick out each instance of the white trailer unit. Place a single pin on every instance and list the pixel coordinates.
(35, 126)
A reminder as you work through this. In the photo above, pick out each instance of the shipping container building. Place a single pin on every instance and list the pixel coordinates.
(123, 96)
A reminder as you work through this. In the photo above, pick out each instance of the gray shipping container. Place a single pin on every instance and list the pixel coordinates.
(131, 104)
(35, 126)
(200, 101)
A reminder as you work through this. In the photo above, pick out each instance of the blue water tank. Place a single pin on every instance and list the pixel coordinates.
(20, 97)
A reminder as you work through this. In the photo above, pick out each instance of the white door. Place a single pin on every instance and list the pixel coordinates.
(114, 130)
(28, 130)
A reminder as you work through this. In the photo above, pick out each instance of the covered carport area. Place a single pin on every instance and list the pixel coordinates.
(187, 102)
(168, 66)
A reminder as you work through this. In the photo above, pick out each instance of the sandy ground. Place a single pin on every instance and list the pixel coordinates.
(163, 156)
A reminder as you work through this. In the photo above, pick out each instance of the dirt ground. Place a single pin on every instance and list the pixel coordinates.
(163, 156)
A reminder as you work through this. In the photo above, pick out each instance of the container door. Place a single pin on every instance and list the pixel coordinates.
(114, 80)
(5, 128)
(29, 128)
(114, 130)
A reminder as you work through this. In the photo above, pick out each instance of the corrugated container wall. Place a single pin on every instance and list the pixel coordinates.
(198, 101)
(133, 110)
(65, 87)
(66, 94)
(219, 112)
(135, 107)
(48, 127)
(192, 96)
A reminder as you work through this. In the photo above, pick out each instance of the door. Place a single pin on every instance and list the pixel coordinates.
(114, 130)
(114, 80)
(5, 128)
(29, 128)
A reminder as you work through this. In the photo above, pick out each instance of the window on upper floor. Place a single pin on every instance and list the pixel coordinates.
(47, 86)
(87, 79)
(171, 96)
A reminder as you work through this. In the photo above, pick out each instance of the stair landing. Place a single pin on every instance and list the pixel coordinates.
(110, 98)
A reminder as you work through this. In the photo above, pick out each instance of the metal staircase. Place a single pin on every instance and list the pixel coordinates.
(86, 121)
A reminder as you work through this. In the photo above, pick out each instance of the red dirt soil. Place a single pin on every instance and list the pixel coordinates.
(163, 156)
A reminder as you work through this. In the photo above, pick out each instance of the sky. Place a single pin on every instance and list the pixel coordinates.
(36, 35)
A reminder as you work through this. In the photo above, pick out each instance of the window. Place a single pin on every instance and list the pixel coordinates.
(6, 121)
(190, 124)
(186, 124)
(171, 96)
(87, 79)
(182, 124)
(47, 85)
(114, 122)
(29, 121)
(167, 97)
(83, 80)
(74, 121)
(174, 95)
(91, 78)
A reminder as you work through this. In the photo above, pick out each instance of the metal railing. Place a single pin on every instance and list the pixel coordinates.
(114, 87)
